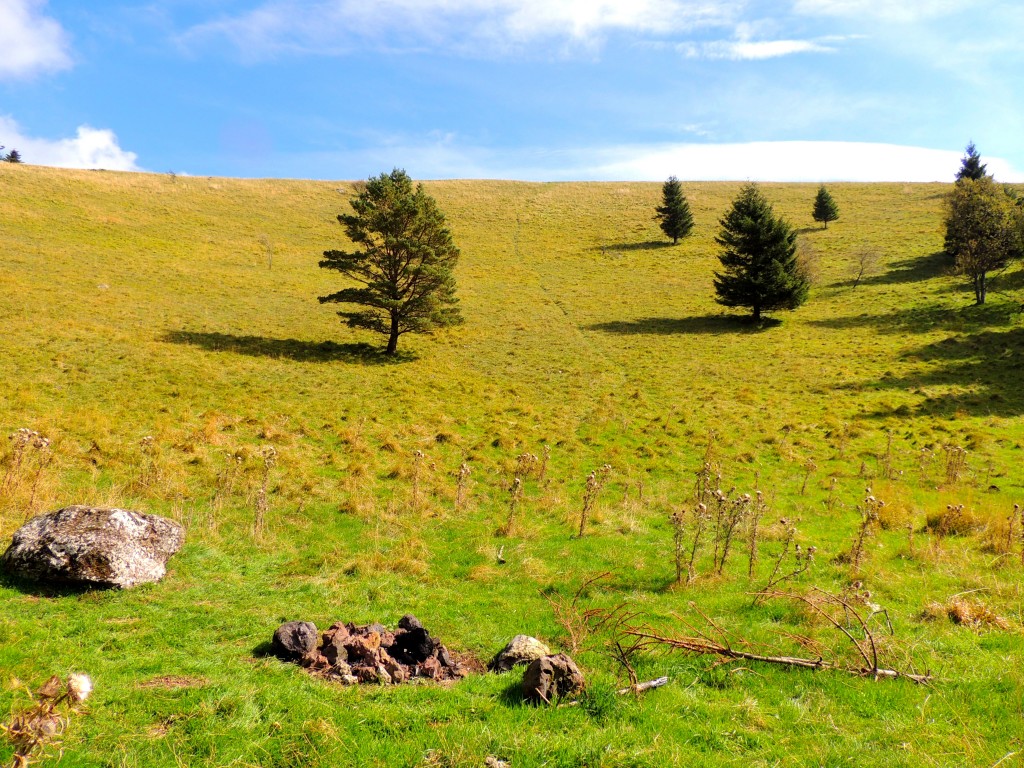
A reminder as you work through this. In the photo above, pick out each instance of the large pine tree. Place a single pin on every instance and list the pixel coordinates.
(674, 211)
(760, 269)
(403, 259)
(825, 208)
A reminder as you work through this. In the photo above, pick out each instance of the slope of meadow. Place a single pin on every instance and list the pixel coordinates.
(184, 310)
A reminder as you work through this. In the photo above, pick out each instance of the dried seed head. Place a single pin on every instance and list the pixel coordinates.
(79, 686)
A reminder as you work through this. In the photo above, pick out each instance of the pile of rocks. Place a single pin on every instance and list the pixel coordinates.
(374, 654)
(370, 653)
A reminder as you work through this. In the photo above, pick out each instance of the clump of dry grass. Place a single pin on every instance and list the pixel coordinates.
(954, 520)
(966, 612)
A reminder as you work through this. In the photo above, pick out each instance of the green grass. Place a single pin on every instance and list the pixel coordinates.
(143, 305)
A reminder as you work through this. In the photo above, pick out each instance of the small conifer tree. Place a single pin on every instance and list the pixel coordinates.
(14, 156)
(825, 208)
(971, 166)
(674, 211)
(760, 268)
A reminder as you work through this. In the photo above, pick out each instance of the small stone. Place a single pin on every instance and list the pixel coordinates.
(334, 644)
(521, 649)
(395, 670)
(293, 640)
(445, 657)
(409, 622)
(363, 647)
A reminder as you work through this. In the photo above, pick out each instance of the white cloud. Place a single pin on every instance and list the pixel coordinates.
(331, 26)
(31, 42)
(749, 50)
(903, 11)
(755, 161)
(91, 148)
(789, 161)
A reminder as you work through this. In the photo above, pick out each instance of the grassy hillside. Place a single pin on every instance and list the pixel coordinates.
(184, 310)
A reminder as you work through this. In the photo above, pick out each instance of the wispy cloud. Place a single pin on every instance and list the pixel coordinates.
(903, 11)
(750, 50)
(31, 41)
(90, 148)
(333, 26)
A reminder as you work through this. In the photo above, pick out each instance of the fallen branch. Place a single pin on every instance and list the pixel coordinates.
(702, 643)
(635, 689)
(641, 687)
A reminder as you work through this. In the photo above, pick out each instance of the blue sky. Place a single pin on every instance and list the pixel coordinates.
(814, 90)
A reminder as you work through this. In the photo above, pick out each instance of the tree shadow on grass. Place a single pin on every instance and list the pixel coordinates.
(915, 270)
(650, 245)
(287, 349)
(922, 319)
(987, 364)
(701, 324)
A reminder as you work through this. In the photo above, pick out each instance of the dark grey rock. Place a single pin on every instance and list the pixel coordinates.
(293, 640)
(93, 546)
(409, 622)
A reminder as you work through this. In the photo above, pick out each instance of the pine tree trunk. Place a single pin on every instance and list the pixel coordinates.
(979, 288)
(757, 312)
(393, 338)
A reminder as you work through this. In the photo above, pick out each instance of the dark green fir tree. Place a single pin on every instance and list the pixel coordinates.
(971, 166)
(760, 269)
(825, 208)
(674, 212)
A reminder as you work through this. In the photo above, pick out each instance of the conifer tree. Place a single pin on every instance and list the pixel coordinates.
(403, 260)
(971, 166)
(984, 227)
(825, 208)
(760, 269)
(14, 156)
(674, 211)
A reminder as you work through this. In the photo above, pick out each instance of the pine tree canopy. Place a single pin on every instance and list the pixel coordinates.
(760, 269)
(674, 211)
(825, 208)
(971, 166)
(403, 261)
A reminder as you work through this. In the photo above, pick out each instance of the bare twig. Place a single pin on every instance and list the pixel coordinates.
(703, 644)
